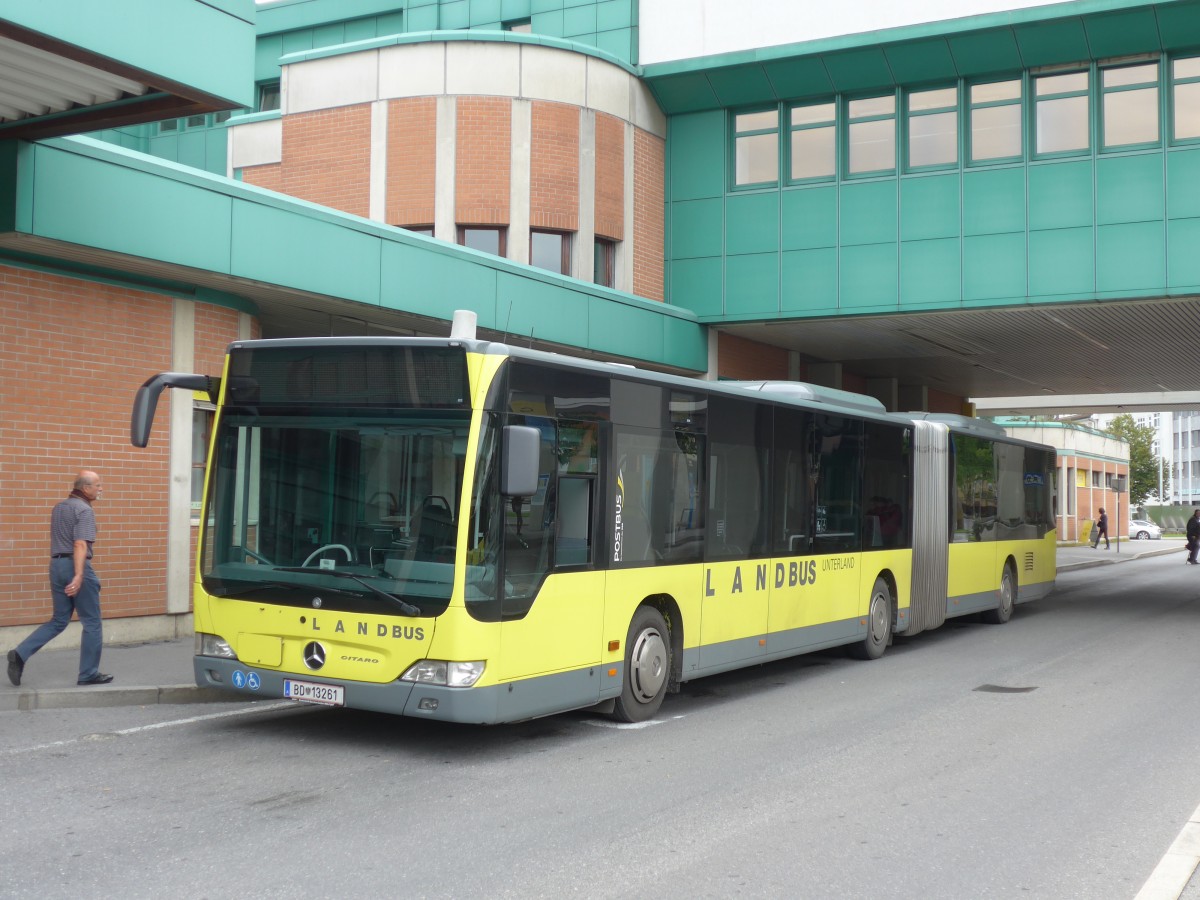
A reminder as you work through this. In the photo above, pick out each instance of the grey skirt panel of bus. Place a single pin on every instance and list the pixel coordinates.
(930, 562)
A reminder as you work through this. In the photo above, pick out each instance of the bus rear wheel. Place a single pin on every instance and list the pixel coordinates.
(1008, 597)
(647, 667)
(879, 623)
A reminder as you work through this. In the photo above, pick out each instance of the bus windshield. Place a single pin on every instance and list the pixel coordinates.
(358, 509)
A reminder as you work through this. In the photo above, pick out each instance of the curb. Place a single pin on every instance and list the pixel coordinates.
(1114, 559)
(81, 698)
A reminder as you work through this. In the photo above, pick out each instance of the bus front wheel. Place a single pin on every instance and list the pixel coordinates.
(879, 623)
(1008, 597)
(647, 667)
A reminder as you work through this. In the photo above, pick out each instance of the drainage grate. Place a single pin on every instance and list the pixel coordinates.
(1003, 689)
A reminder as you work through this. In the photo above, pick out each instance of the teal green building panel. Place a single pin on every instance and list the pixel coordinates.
(1183, 183)
(413, 278)
(810, 218)
(914, 62)
(1062, 262)
(620, 42)
(869, 277)
(930, 273)
(191, 149)
(1131, 258)
(1060, 194)
(548, 23)
(623, 330)
(614, 14)
(92, 202)
(696, 147)
(810, 281)
(696, 285)
(930, 207)
(1183, 237)
(752, 284)
(422, 18)
(993, 201)
(868, 212)
(1130, 188)
(993, 268)
(215, 59)
(338, 261)
(534, 309)
(696, 228)
(457, 14)
(578, 20)
(684, 344)
(485, 11)
(984, 52)
(752, 223)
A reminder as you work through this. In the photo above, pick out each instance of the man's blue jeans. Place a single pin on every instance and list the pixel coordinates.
(86, 603)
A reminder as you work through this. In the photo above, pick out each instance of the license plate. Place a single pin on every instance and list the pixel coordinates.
(310, 692)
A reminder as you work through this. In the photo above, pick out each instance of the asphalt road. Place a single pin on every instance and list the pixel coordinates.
(1052, 757)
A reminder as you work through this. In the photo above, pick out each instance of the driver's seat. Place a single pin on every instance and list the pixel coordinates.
(434, 529)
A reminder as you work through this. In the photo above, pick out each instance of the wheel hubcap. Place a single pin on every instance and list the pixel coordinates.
(648, 665)
(879, 619)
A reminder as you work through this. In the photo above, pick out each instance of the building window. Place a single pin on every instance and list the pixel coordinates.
(488, 240)
(871, 133)
(756, 148)
(426, 230)
(517, 26)
(268, 96)
(996, 121)
(813, 142)
(604, 256)
(1130, 106)
(202, 419)
(1185, 75)
(1061, 120)
(550, 250)
(222, 116)
(933, 128)
(1095, 479)
(169, 125)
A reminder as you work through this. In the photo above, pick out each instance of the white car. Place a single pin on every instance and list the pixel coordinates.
(1144, 530)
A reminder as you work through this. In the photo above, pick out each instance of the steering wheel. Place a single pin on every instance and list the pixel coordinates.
(238, 548)
(320, 550)
(434, 501)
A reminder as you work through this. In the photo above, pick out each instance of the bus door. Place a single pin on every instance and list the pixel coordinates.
(737, 568)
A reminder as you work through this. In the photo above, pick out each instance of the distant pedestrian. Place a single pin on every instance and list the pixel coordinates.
(74, 585)
(1101, 530)
(1193, 536)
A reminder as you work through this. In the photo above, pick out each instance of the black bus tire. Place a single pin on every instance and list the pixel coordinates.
(1008, 598)
(879, 623)
(647, 667)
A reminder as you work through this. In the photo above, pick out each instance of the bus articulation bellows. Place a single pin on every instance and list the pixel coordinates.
(474, 532)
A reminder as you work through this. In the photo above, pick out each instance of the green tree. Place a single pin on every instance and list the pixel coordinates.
(1143, 464)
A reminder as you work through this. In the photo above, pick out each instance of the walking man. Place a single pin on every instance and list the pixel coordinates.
(73, 583)
(1193, 536)
(1101, 530)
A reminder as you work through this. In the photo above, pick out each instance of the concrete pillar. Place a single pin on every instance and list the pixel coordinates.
(913, 398)
(519, 184)
(179, 492)
(444, 225)
(378, 186)
(583, 262)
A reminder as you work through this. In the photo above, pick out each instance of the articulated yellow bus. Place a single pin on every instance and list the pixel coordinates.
(473, 532)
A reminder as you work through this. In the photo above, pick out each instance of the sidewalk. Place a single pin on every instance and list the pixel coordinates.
(161, 671)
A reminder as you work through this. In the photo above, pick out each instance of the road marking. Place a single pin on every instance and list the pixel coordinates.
(125, 732)
(627, 726)
(1175, 869)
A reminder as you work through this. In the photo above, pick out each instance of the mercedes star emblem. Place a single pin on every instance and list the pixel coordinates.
(314, 655)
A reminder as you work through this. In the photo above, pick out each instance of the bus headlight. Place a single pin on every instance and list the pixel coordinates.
(449, 674)
(211, 645)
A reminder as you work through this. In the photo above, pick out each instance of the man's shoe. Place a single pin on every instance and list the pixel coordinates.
(98, 678)
(16, 666)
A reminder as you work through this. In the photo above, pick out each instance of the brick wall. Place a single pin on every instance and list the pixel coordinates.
(268, 176)
(326, 157)
(482, 175)
(411, 161)
(649, 172)
(610, 177)
(75, 352)
(749, 360)
(554, 167)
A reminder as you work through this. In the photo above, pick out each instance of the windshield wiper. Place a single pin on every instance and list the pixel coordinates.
(254, 587)
(403, 605)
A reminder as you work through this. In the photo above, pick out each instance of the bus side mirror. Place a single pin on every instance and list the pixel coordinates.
(521, 447)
